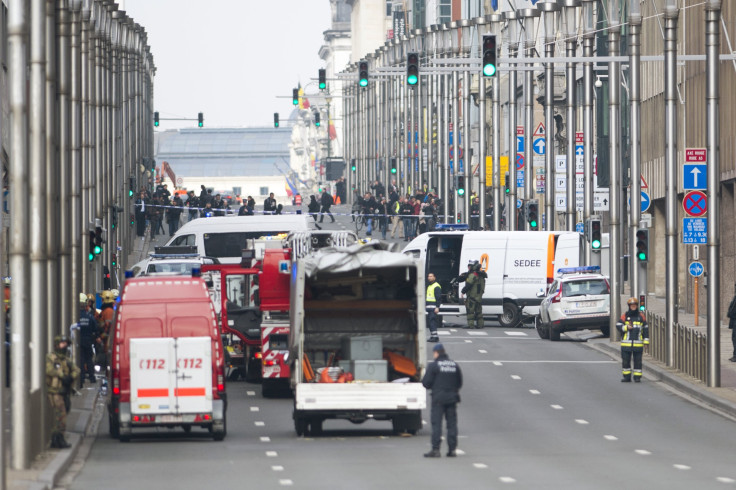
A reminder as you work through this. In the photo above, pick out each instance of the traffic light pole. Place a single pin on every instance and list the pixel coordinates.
(549, 9)
(512, 214)
(569, 11)
(588, 41)
(529, 41)
(635, 116)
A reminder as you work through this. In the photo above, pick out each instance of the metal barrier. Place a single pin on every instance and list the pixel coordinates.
(690, 347)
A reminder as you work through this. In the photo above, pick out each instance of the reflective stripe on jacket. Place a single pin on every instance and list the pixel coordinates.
(433, 296)
(635, 334)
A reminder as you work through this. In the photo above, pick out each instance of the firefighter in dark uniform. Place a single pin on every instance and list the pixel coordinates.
(635, 335)
(60, 374)
(434, 298)
(445, 379)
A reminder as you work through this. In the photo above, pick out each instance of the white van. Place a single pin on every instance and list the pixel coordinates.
(224, 237)
(518, 264)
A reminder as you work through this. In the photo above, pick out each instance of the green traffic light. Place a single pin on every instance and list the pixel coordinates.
(353, 168)
(98, 250)
(322, 85)
(533, 223)
(461, 192)
(130, 193)
(596, 244)
(412, 79)
(642, 256)
(363, 82)
(275, 125)
(489, 70)
(91, 257)
(393, 170)
(508, 190)
(641, 308)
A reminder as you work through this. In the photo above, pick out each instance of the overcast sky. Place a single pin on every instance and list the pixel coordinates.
(236, 61)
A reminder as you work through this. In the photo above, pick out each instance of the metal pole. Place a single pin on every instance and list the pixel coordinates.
(66, 284)
(614, 77)
(671, 14)
(445, 148)
(512, 17)
(498, 196)
(467, 161)
(635, 98)
(588, 98)
(78, 266)
(712, 50)
(550, 10)
(20, 381)
(456, 99)
(53, 173)
(570, 75)
(85, 148)
(529, 42)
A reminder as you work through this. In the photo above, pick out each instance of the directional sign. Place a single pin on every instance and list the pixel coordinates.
(645, 201)
(694, 176)
(579, 227)
(518, 203)
(519, 161)
(579, 150)
(519, 144)
(696, 155)
(539, 145)
(695, 231)
(696, 269)
(540, 131)
(519, 178)
(579, 137)
(695, 203)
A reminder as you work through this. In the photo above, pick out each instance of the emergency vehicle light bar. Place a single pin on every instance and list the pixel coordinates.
(452, 227)
(173, 255)
(595, 269)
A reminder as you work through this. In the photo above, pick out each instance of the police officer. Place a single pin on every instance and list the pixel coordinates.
(475, 285)
(60, 375)
(445, 379)
(635, 335)
(87, 338)
(434, 298)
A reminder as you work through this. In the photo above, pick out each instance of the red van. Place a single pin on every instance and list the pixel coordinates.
(167, 361)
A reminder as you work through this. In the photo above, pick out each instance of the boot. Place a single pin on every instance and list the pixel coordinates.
(54, 440)
(62, 443)
(626, 379)
(434, 453)
(451, 453)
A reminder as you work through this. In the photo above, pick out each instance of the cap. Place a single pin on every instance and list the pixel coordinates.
(438, 347)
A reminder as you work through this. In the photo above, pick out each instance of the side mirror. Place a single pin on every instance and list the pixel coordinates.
(540, 293)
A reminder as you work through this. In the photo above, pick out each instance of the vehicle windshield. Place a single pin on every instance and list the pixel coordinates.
(241, 291)
(172, 267)
(585, 287)
(231, 244)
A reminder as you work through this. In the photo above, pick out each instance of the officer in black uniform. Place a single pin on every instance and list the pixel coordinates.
(445, 379)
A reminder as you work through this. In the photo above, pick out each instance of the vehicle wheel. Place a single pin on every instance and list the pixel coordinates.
(114, 426)
(554, 335)
(510, 316)
(315, 426)
(219, 435)
(268, 388)
(606, 331)
(187, 428)
(358, 223)
(125, 437)
(300, 425)
(542, 329)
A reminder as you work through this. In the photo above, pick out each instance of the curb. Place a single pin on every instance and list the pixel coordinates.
(655, 371)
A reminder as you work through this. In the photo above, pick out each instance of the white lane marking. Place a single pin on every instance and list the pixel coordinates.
(254, 409)
(468, 341)
(440, 332)
(556, 407)
(480, 466)
(725, 479)
(534, 392)
(581, 421)
(277, 468)
(259, 423)
(483, 351)
(506, 479)
(265, 439)
(516, 334)
(515, 376)
(643, 452)
(453, 330)
(271, 454)
(479, 334)
(460, 452)
(681, 467)
(286, 483)
(250, 393)
(497, 363)
(610, 437)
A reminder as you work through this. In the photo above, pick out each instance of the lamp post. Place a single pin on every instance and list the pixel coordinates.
(455, 100)
(481, 27)
(635, 118)
(569, 11)
(550, 16)
(465, 27)
(527, 22)
(445, 127)
(588, 40)
(512, 19)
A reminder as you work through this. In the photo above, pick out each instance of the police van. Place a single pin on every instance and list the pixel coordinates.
(518, 264)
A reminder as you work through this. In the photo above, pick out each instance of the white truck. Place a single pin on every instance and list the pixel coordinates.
(358, 344)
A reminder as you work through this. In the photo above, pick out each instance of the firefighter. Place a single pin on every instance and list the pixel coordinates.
(475, 285)
(60, 375)
(106, 314)
(434, 298)
(635, 335)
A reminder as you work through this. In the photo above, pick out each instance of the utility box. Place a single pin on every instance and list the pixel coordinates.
(367, 347)
(367, 370)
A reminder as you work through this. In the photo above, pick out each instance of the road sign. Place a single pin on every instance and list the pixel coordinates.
(695, 231)
(539, 145)
(696, 269)
(519, 178)
(540, 131)
(519, 144)
(645, 201)
(518, 203)
(643, 183)
(519, 161)
(696, 155)
(695, 203)
(520, 130)
(579, 150)
(179, 181)
(579, 227)
(694, 176)
(560, 202)
(579, 137)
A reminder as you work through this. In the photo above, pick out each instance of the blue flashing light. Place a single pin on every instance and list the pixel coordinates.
(128, 274)
(590, 269)
(196, 272)
(452, 227)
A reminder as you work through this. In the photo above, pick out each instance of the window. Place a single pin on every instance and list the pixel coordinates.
(231, 244)
(444, 11)
(264, 191)
(184, 240)
(587, 287)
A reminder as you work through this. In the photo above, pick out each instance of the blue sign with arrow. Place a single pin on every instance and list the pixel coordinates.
(579, 150)
(696, 269)
(539, 146)
(519, 144)
(694, 176)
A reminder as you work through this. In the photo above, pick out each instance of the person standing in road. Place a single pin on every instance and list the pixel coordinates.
(433, 301)
(326, 201)
(731, 314)
(313, 208)
(635, 335)
(142, 207)
(193, 204)
(60, 375)
(445, 379)
(475, 285)
(269, 204)
(88, 334)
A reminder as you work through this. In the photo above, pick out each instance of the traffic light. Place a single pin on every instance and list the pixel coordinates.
(393, 166)
(322, 79)
(97, 241)
(532, 213)
(412, 68)
(461, 185)
(200, 119)
(132, 220)
(489, 55)
(508, 188)
(92, 240)
(295, 96)
(106, 282)
(131, 186)
(275, 119)
(595, 234)
(642, 244)
(363, 73)
(316, 119)
(642, 302)
(114, 260)
(352, 165)
(155, 119)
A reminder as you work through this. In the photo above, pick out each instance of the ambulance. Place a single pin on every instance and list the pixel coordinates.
(167, 360)
(518, 264)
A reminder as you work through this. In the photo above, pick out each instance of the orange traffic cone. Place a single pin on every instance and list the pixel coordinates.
(337, 200)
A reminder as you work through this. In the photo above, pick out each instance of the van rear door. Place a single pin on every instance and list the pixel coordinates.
(193, 389)
(152, 364)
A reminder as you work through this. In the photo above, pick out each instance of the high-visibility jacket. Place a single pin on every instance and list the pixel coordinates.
(635, 331)
(434, 294)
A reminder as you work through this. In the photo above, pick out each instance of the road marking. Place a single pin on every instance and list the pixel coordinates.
(254, 409)
(497, 363)
(725, 479)
(483, 351)
(681, 467)
(265, 439)
(250, 393)
(515, 376)
(643, 452)
(478, 334)
(582, 421)
(517, 334)
(506, 479)
(286, 483)
(460, 452)
(277, 468)
(534, 392)
(271, 454)
(467, 341)
(557, 407)
(259, 423)
(610, 438)
(453, 330)
(480, 466)
(440, 332)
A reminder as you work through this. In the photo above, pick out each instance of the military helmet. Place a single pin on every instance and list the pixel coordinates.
(632, 301)
(82, 298)
(60, 338)
(475, 265)
(108, 297)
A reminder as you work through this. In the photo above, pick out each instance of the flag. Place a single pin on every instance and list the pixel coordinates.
(290, 188)
(332, 132)
(303, 101)
(494, 5)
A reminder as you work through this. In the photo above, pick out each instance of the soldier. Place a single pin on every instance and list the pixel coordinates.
(60, 375)
(475, 285)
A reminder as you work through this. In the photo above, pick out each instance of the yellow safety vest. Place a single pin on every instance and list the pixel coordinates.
(431, 298)
(632, 336)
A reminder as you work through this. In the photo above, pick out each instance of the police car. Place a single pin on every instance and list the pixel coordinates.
(172, 261)
(578, 299)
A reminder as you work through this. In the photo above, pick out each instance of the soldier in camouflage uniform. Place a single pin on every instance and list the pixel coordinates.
(60, 374)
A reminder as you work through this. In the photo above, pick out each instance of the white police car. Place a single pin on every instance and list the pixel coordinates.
(579, 298)
(176, 260)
